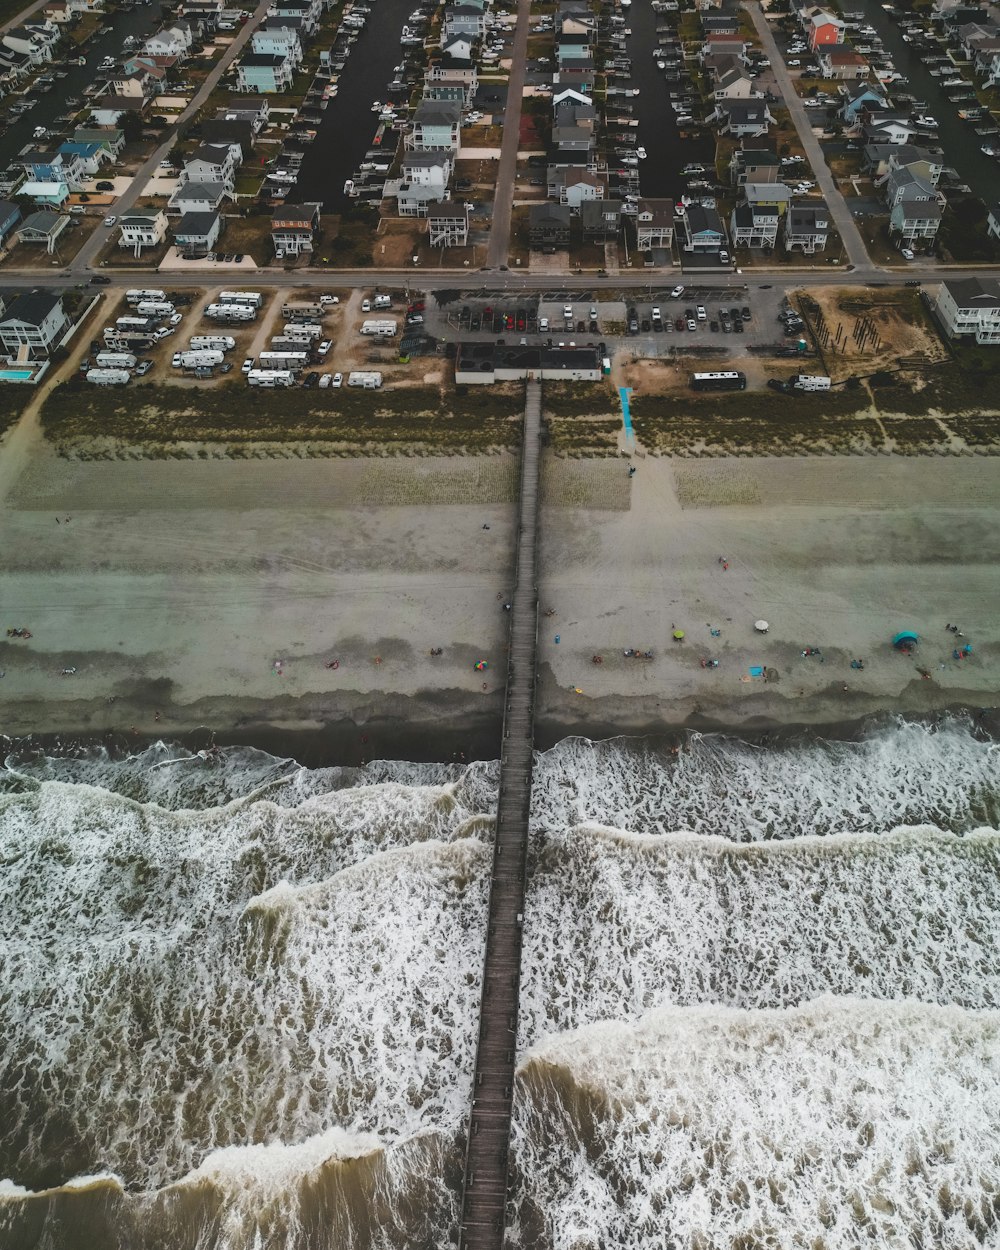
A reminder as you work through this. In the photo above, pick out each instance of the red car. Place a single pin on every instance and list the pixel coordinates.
(419, 306)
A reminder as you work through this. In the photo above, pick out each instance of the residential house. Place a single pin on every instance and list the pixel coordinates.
(447, 224)
(573, 113)
(454, 89)
(988, 65)
(887, 127)
(735, 84)
(141, 228)
(143, 81)
(436, 127)
(744, 118)
(47, 194)
(861, 96)
(575, 19)
(548, 226)
(90, 155)
(424, 180)
(578, 185)
(173, 40)
(578, 78)
(822, 28)
(968, 308)
(447, 72)
(917, 160)
(916, 220)
(774, 195)
(44, 226)
(572, 139)
(85, 6)
(309, 11)
(838, 61)
(215, 131)
(807, 227)
(213, 162)
(905, 184)
(702, 229)
(570, 48)
(721, 24)
(724, 45)
(601, 220)
(253, 109)
(108, 110)
(281, 41)
(33, 41)
(198, 197)
(13, 67)
(570, 95)
(754, 165)
(66, 167)
(457, 47)
(10, 215)
(754, 225)
(197, 233)
(654, 224)
(147, 60)
(294, 228)
(33, 325)
(58, 12)
(113, 141)
(465, 19)
(270, 72)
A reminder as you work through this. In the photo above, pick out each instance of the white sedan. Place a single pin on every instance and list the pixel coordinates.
(908, 253)
(110, 221)
(324, 347)
(338, 380)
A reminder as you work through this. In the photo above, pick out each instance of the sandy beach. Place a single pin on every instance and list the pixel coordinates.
(214, 594)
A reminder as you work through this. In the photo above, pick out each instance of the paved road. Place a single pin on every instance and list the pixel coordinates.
(849, 233)
(503, 200)
(86, 255)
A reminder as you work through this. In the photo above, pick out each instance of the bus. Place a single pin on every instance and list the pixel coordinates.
(730, 380)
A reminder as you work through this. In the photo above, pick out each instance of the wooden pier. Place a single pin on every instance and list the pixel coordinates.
(484, 1196)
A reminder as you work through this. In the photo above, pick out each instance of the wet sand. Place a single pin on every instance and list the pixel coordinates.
(175, 588)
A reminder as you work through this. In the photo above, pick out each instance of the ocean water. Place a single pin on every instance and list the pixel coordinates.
(760, 996)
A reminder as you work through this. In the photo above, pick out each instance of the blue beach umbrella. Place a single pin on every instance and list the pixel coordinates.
(905, 639)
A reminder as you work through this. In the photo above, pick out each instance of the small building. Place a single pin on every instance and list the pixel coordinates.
(654, 224)
(839, 61)
(822, 28)
(968, 308)
(702, 229)
(43, 226)
(142, 228)
(270, 73)
(436, 127)
(549, 226)
(277, 40)
(294, 228)
(110, 109)
(744, 118)
(447, 224)
(601, 220)
(754, 165)
(807, 227)
(916, 221)
(197, 233)
(481, 364)
(198, 197)
(213, 162)
(91, 155)
(33, 325)
(45, 194)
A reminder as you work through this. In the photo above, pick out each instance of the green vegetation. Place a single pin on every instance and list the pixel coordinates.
(14, 398)
(161, 420)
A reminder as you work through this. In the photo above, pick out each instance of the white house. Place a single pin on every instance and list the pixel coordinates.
(213, 162)
(173, 40)
(968, 308)
(198, 197)
(447, 224)
(654, 224)
(278, 41)
(32, 325)
(198, 233)
(807, 227)
(754, 225)
(142, 228)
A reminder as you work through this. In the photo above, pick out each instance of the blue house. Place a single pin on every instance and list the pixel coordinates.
(91, 155)
(860, 96)
(10, 215)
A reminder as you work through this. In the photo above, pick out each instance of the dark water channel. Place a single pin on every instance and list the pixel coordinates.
(16, 133)
(666, 152)
(959, 140)
(348, 126)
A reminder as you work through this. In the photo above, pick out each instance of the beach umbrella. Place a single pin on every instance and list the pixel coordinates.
(678, 634)
(905, 639)
(761, 627)
(482, 666)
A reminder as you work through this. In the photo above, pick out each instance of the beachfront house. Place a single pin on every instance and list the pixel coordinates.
(44, 226)
(702, 230)
(754, 225)
(549, 226)
(142, 228)
(654, 224)
(33, 325)
(906, 184)
(577, 186)
(108, 110)
(436, 127)
(270, 73)
(774, 195)
(197, 233)
(600, 220)
(294, 228)
(33, 41)
(857, 98)
(970, 308)
(215, 130)
(447, 224)
(253, 109)
(917, 221)
(807, 227)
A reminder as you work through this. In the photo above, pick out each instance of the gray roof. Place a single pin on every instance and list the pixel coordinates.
(448, 209)
(31, 307)
(974, 292)
(196, 223)
(199, 191)
(45, 221)
(438, 113)
(263, 60)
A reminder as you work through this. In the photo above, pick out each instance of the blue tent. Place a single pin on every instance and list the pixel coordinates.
(905, 640)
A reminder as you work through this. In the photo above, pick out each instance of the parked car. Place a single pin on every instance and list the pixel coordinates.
(338, 380)
(677, 292)
(745, 313)
(908, 253)
(325, 381)
(311, 379)
(324, 347)
(247, 365)
(226, 367)
(175, 319)
(105, 186)
(143, 367)
(692, 325)
(100, 280)
(702, 314)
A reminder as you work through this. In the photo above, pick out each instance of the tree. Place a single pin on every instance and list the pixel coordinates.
(130, 125)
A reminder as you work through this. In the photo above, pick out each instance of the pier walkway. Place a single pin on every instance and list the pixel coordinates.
(484, 1196)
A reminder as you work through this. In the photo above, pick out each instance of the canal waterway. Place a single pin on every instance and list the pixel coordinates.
(667, 153)
(959, 140)
(16, 133)
(348, 126)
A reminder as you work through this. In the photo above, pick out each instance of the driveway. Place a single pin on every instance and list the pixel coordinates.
(857, 253)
